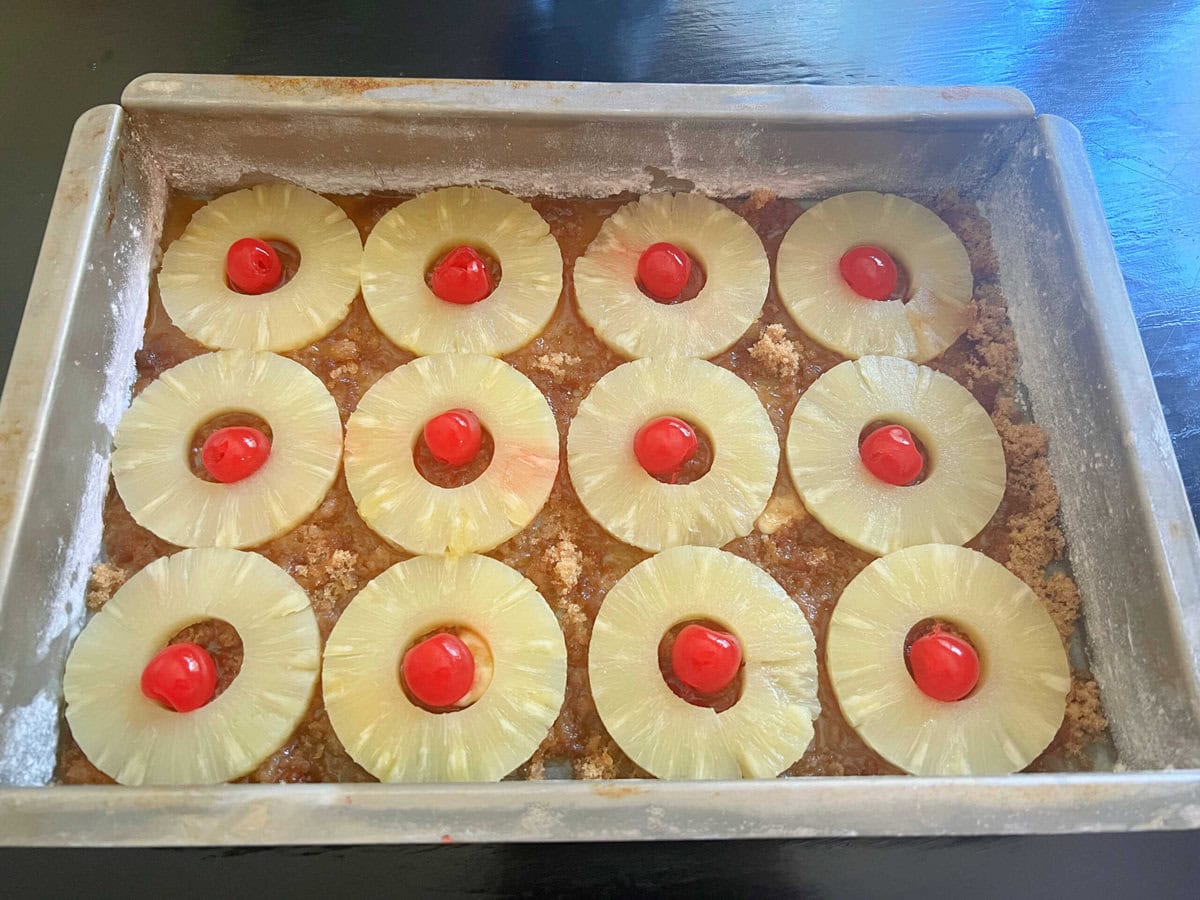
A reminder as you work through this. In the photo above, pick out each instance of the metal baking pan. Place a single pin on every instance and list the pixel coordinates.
(1133, 543)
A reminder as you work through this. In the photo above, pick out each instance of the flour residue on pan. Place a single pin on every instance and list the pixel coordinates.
(24, 761)
(117, 279)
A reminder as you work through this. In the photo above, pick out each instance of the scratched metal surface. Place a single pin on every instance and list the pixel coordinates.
(1127, 73)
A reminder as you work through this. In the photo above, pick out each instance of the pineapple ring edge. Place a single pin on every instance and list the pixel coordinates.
(896, 329)
(824, 466)
(733, 294)
(394, 593)
(388, 417)
(199, 301)
(405, 309)
(948, 596)
(152, 435)
(623, 651)
(260, 625)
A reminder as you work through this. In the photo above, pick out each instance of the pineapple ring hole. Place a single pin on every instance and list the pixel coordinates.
(696, 467)
(289, 260)
(495, 271)
(925, 626)
(223, 644)
(447, 476)
(484, 667)
(903, 281)
(921, 446)
(216, 423)
(697, 278)
(724, 699)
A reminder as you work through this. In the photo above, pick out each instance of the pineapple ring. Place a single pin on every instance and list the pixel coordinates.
(198, 299)
(966, 470)
(637, 508)
(150, 450)
(1019, 702)
(135, 740)
(737, 275)
(831, 313)
(396, 740)
(395, 499)
(411, 237)
(770, 725)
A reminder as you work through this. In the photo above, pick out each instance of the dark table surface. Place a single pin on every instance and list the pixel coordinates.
(1127, 73)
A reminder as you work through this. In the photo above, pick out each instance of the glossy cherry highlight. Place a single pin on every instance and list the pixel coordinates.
(454, 437)
(870, 272)
(663, 270)
(891, 455)
(704, 659)
(944, 666)
(231, 454)
(439, 671)
(663, 445)
(461, 277)
(182, 677)
(253, 266)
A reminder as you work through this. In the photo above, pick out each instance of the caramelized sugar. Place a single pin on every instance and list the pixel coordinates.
(574, 562)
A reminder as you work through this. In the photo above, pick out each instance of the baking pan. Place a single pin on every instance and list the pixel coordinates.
(1133, 543)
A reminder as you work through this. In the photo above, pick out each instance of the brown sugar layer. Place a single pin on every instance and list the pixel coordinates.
(573, 562)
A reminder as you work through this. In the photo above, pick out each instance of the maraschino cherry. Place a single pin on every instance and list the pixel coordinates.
(231, 454)
(663, 445)
(663, 270)
(870, 272)
(439, 670)
(944, 666)
(461, 277)
(252, 266)
(181, 677)
(891, 455)
(454, 437)
(705, 660)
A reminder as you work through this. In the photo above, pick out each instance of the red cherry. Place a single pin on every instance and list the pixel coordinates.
(231, 454)
(440, 670)
(454, 437)
(663, 445)
(462, 277)
(891, 455)
(870, 272)
(705, 660)
(663, 270)
(944, 666)
(181, 677)
(252, 266)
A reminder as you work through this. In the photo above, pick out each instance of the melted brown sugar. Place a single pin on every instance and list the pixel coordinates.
(573, 561)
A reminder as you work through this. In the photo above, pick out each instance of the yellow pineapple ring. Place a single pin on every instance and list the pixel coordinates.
(134, 739)
(150, 452)
(396, 740)
(413, 236)
(769, 726)
(395, 499)
(1019, 702)
(737, 276)
(965, 460)
(816, 296)
(637, 508)
(198, 299)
